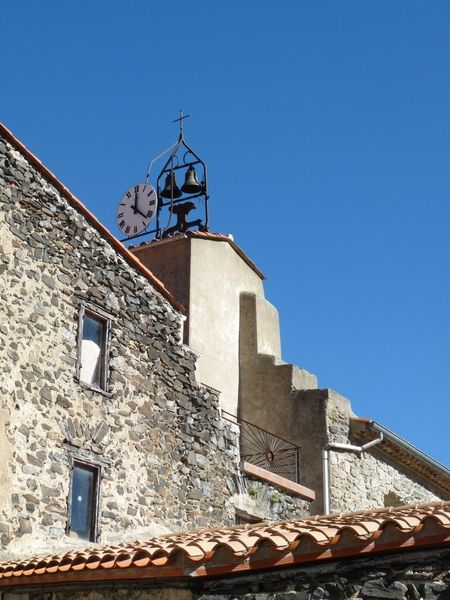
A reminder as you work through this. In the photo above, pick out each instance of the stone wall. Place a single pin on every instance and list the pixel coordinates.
(259, 500)
(117, 592)
(406, 576)
(367, 479)
(165, 452)
(357, 480)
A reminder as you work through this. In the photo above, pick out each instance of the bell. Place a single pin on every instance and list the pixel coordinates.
(171, 190)
(191, 185)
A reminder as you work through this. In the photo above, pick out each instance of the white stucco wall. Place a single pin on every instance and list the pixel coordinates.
(218, 277)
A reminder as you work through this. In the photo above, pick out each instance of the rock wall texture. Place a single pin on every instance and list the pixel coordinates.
(407, 576)
(367, 479)
(119, 593)
(357, 480)
(265, 502)
(164, 450)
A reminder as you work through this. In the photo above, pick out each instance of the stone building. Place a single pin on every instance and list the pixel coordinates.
(122, 417)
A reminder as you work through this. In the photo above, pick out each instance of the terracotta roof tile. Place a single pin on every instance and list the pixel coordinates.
(269, 544)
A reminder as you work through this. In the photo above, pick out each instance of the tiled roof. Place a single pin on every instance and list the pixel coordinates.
(403, 453)
(242, 548)
(80, 207)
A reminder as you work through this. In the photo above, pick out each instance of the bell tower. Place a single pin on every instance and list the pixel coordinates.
(177, 209)
(230, 323)
(179, 202)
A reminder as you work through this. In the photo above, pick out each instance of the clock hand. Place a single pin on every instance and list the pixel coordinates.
(141, 213)
(134, 207)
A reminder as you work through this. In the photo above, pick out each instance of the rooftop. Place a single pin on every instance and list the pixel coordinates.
(242, 548)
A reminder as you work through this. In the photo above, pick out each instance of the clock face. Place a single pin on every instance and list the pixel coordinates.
(136, 209)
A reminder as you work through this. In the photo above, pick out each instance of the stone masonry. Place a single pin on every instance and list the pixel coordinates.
(417, 575)
(357, 480)
(166, 454)
(367, 479)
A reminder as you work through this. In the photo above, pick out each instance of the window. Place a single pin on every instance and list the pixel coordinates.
(93, 341)
(84, 501)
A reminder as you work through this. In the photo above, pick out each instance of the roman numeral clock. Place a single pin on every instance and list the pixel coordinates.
(176, 209)
(136, 209)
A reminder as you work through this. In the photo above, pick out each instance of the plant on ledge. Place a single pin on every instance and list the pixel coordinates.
(275, 498)
(254, 490)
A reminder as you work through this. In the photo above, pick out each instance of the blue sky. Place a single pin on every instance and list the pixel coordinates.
(326, 132)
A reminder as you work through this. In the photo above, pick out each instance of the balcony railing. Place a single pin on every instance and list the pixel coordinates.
(266, 450)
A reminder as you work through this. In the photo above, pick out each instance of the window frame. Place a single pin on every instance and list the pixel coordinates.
(89, 309)
(75, 461)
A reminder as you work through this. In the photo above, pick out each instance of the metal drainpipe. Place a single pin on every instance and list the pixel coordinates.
(325, 454)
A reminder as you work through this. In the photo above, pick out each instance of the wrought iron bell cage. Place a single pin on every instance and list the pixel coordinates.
(173, 197)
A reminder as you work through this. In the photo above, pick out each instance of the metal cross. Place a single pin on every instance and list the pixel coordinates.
(181, 119)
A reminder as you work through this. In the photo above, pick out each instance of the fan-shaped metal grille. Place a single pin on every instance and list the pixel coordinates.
(268, 451)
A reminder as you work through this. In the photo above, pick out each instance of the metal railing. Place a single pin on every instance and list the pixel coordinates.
(266, 450)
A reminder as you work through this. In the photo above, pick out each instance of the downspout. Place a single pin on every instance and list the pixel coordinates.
(325, 462)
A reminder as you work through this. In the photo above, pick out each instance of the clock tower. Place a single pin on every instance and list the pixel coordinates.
(167, 209)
